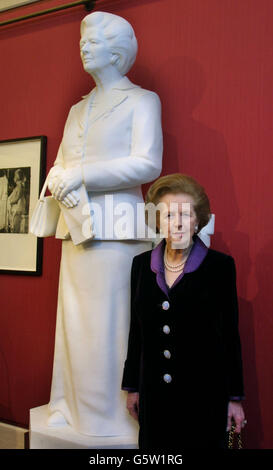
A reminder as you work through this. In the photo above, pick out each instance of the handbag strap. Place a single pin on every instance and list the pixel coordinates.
(231, 436)
(44, 188)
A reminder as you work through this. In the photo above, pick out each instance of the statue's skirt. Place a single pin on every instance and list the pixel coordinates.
(91, 336)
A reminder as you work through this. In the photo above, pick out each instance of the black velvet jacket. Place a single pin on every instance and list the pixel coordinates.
(184, 392)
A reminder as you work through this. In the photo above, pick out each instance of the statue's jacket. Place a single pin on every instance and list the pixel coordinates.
(184, 352)
(118, 143)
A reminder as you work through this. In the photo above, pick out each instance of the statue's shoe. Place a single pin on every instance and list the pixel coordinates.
(56, 419)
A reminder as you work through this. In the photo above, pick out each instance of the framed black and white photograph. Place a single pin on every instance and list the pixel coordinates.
(22, 170)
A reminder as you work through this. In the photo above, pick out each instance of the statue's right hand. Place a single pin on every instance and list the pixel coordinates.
(70, 200)
(62, 183)
(54, 179)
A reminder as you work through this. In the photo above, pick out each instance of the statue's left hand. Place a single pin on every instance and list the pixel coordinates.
(71, 199)
(68, 181)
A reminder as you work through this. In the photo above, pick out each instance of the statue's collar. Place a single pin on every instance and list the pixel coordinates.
(123, 84)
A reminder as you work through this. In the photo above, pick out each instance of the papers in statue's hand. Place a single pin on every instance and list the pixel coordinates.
(78, 219)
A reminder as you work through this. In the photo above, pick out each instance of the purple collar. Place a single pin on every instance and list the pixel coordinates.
(196, 257)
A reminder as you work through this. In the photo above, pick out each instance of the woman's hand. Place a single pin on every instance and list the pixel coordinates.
(236, 412)
(133, 404)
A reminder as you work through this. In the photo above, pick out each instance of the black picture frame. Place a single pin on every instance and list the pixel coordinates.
(11, 4)
(22, 172)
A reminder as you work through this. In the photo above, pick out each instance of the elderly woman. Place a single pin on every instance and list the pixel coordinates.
(183, 369)
(112, 143)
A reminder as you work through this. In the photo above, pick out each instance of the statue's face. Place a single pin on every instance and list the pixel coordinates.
(95, 52)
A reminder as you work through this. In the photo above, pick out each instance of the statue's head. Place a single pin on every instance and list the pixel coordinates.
(114, 32)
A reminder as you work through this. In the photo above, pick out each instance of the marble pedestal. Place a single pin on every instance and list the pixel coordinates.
(65, 437)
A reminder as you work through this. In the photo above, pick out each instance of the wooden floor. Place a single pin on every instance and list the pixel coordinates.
(12, 437)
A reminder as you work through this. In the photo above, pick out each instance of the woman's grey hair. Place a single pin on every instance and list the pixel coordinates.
(119, 35)
(180, 183)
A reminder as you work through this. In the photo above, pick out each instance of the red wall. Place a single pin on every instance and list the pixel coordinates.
(211, 63)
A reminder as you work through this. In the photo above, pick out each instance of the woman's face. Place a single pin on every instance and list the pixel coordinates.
(17, 176)
(178, 219)
(95, 52)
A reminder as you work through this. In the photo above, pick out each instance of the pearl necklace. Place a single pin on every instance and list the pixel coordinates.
(175, 268)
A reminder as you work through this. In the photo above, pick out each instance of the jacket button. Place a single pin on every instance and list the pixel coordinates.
(167, 378)
(167, 354)
(166, 329)
(165, 305)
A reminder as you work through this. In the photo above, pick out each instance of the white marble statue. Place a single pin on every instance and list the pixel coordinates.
(112, 144)
(207, 231)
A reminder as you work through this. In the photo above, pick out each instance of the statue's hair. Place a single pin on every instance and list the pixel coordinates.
(119, 35)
